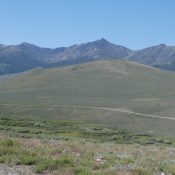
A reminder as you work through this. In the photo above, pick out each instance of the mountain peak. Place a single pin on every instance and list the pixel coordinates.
(98, 42)
(102, 40)
(162, 45)
(25, 44)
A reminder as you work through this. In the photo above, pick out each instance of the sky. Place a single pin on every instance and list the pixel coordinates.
(56, 23)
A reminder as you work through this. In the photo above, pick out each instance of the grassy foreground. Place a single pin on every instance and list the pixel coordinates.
(71, 147)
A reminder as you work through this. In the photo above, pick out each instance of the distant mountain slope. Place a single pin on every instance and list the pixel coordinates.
(27, 56)
(21, 57)
(160, 56)
(92, 51)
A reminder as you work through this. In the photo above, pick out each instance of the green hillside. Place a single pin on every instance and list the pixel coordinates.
(128, 86)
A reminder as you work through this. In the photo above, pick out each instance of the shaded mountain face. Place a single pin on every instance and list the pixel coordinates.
(26, 56)
(91, 50)
(14, 59)
(160, 56)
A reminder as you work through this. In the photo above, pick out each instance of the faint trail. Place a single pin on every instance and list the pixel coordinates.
(93, 107)
(120, 110)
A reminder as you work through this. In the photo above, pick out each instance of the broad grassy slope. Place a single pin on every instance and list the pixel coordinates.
(113, 84)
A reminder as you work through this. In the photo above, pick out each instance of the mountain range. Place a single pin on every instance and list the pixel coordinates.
(25, 56)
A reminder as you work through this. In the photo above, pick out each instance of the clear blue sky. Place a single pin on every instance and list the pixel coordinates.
(54, 23)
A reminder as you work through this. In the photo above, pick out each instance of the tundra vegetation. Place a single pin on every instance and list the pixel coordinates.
(75, 147)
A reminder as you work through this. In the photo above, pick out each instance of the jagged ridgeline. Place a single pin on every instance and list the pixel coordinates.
(25, 56)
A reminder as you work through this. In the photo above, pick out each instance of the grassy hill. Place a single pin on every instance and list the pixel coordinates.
(49, 93)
